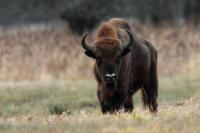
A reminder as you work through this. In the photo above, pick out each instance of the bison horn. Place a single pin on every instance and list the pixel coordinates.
(84, 44)
(127, 47)
(130, 40)
(89, 50)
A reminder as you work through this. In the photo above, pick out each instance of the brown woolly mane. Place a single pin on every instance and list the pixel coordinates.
(108, 43)
(106, 37)
(106, 31)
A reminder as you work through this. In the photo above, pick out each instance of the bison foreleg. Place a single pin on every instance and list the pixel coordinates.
(134, 87)
(105, 106)
(128, 105)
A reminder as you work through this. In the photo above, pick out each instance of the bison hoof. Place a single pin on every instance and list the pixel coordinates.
(105, 108)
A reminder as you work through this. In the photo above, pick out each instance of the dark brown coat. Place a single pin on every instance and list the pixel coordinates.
(124, 64)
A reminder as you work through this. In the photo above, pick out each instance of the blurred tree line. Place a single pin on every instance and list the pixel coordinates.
(86, 14)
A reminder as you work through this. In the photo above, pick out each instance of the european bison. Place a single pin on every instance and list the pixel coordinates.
(124, 64)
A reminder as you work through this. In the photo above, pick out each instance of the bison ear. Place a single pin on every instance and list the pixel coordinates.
(90, 54)
(125, 51)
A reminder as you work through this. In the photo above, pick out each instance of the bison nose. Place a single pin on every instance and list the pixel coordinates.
(110, 77)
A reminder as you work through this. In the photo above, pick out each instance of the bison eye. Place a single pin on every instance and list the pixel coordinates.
(99, 60)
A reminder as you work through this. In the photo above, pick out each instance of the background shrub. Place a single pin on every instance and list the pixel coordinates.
(84, 15)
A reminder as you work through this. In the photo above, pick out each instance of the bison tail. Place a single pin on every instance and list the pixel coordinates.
(144, 98)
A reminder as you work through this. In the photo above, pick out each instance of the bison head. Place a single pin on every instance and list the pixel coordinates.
(108, 53)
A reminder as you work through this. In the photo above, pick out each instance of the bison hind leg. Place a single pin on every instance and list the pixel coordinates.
(150, 90)
(149, 100)
(144, 98)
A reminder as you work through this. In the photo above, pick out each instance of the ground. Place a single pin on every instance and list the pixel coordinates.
(72, 106)
(47, 85)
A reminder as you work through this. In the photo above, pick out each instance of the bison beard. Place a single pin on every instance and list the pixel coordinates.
(124, 64)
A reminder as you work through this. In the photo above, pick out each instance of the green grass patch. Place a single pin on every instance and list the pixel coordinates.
(56, 97)
(72, 106)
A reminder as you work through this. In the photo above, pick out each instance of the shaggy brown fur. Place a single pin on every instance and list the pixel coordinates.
(134, 70)
(106, 37)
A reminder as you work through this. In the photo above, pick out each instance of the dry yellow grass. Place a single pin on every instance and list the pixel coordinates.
(172, 118)
(72, 106)
(44, 51)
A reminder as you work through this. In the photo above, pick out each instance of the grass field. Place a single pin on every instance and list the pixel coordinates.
(46, 82)
(72, 106)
